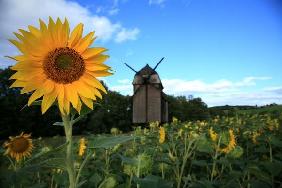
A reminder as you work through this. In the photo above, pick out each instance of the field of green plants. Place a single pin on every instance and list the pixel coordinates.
(244, 151)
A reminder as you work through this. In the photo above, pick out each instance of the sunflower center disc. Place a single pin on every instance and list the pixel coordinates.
(64, 65)
(20, 145)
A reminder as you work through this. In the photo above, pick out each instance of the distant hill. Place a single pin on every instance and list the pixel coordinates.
(231, 110)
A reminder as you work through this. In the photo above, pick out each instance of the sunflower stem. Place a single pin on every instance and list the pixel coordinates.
(69, 157)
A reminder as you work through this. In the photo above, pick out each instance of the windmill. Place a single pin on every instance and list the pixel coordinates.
(149, 102)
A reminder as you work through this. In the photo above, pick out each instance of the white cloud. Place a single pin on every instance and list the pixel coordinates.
(249, 81)
(220, 92)
(124, 81)
(129, 52)
(104, 28)
(242, 98)
(124, 86)
(277, 89)
(15, 14)
(224, 92)
(99, 9)
(178, 86)
(125, 89)
(127, 34)
(156, 2)
(113, 11)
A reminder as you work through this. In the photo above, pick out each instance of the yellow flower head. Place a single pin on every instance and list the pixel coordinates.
(188, 125)
(82, 146)
(213, 135)
(203, 123)
(58, 65)
(154, 124)
(254, 137)
(231, 145)
(180, 132)
(161, 135)
(174, 120)
(19, 147)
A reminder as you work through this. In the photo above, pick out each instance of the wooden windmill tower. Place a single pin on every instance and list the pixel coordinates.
(149, 103)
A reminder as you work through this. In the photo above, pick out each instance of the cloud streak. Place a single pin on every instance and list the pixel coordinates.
(220, 92)
(179, 86)
(157, 2)
(127, 34)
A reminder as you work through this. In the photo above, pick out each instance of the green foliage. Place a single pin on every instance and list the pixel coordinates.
(187, 110)
(187, 158)
(108, 142)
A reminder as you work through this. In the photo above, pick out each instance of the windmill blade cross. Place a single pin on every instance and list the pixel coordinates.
(159, 63)
(130, 68)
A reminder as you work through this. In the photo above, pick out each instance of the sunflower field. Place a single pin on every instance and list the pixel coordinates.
(243, 151)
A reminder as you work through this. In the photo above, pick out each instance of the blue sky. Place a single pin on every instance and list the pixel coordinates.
(224, 51)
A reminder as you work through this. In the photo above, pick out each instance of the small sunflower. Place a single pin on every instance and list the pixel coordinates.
(82, 146)
(161, 135)
(180, 132)
(19, 147)
(254, 137)
(231, 145)
(59, 66)
(213, 134)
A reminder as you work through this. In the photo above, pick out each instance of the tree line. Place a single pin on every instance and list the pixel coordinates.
(114, 110)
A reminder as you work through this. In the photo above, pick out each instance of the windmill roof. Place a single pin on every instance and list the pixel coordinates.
(147, 70)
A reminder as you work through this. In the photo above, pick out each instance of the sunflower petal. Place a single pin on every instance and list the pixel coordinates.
(18, 58)
(65, 32)
(53, 32)
(48, 100)
(78, 107)
(66, 105)
(91, 52)
(59, 31)
(27, 75)
(24, 65)
(85, 42)
(101, 73)
(98, 59)
(36, 32)
(19, 36)
(97, 93)
(18, 45)
(92, 81)
(48, 86)
(96, 67)
(71, 94)
(76, 35)
(35, 84)
(60, 90)
(37, 94)
(84, 90)
(43, 26)
(87, 102)
(18, 83)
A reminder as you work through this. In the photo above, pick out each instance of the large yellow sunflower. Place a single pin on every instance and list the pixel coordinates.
(19, 147)
(58, 65)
